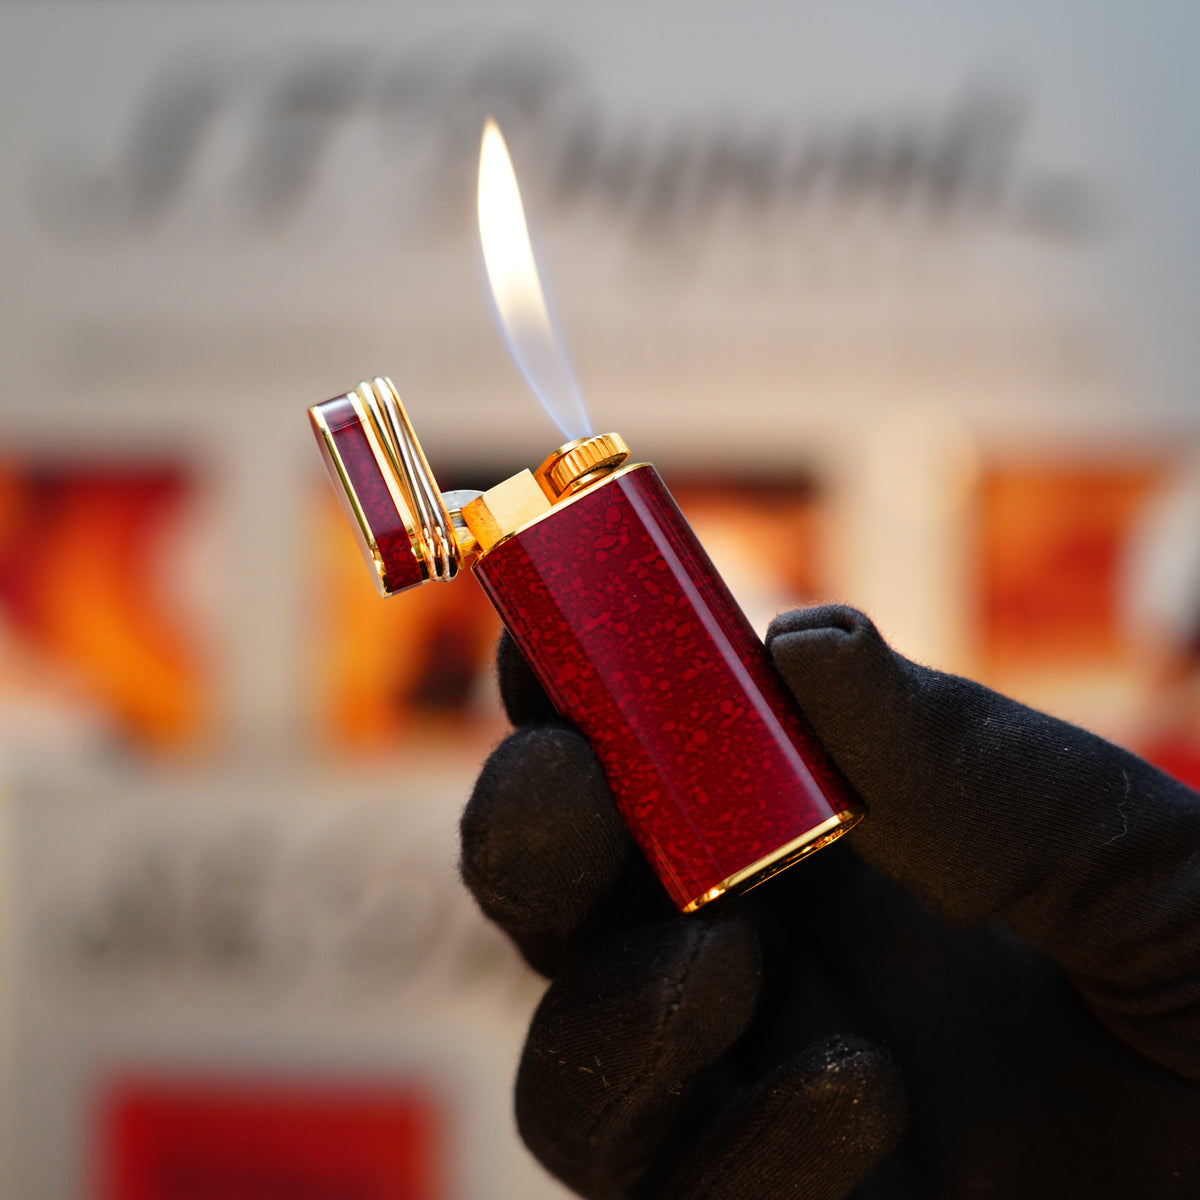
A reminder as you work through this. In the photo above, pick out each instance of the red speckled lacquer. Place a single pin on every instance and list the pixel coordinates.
(348, 454)
(638, 642)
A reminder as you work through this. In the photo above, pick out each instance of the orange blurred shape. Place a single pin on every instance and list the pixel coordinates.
(779, 526)
(389, 668)
(80, 576)
(1051, 539)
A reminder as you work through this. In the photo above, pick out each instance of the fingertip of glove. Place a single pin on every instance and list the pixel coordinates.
(834, 660)
(824, 629)
(724, 963)
(682, 983)
(851, 1074)
(621, 1035)
(827, 1117)
(853, 1095)
(541, 839)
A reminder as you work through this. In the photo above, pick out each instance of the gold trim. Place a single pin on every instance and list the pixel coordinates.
(567, 500)
(348, 496)
(512, 502)
(389, 469)
(401, 463)
(762, 870)
(572, 467)
(433, 529)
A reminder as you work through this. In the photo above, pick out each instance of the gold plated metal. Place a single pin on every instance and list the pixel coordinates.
(506, 507)
(489, 522)
(574, 466)
(406, 472)
(351, 505)
(528, 496)
(762, 870)
(389, 492)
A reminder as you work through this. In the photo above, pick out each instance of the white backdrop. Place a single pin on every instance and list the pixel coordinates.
(869, 240)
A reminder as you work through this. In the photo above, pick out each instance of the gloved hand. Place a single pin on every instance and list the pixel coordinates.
(991, 988)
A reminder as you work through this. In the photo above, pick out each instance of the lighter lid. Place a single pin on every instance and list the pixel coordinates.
(381, 476)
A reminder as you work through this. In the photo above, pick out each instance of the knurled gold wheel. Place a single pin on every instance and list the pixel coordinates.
(573, 466)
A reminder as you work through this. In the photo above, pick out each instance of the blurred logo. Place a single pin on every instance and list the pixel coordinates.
(258, 140)
(356, 912)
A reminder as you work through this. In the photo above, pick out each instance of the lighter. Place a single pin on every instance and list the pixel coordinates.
(635, 637)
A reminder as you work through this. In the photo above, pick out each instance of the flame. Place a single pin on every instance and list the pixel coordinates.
(517, 290)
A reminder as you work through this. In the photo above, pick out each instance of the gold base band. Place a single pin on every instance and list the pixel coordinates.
(762, 870)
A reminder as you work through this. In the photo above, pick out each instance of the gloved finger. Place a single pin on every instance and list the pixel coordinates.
(814, 1129)
(525, 700)
(982, 806)
(543, 846)
(619, 1040)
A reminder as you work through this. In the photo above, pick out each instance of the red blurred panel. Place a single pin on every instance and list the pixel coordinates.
(1051, 541)
(1177, 753)
(294, 1142)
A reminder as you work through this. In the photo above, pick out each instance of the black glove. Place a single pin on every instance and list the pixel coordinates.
(991, 988)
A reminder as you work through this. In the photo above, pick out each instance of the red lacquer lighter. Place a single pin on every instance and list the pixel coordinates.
(634, 635)
(610, 597)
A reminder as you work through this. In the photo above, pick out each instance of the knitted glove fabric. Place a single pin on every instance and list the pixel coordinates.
(990, 988)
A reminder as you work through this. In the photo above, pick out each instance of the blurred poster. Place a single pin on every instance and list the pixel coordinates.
(256, 986)
(767, 535)
(99, 647)
(1053, 542)
(387, 670)
(174, 1140)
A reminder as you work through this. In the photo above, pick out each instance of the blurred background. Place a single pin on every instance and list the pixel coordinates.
(901, 298)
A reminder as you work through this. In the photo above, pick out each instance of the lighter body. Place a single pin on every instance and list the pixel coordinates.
(635, 637)
(638, 641)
